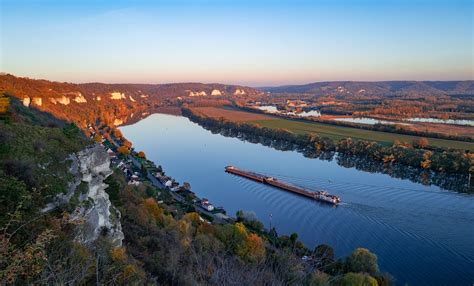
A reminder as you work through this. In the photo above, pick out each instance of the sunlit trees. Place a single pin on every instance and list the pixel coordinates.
(362, 260)
(98, 138)
(420, 143)
(117, 133)
(127, 143)
(141, 154)
(426, 163)
(123, 150)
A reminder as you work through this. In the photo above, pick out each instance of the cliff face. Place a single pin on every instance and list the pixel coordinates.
(93, 214)
(112, 104)
(100, 216)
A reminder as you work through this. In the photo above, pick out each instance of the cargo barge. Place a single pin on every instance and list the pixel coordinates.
(322, 196)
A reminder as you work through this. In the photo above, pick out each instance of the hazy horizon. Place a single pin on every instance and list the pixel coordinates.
(251, 43)
(228, 83)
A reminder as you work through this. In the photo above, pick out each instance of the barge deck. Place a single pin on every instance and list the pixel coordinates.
(322, 196)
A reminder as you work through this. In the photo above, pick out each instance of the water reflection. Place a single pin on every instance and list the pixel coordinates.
(422, 235)
(446, 181)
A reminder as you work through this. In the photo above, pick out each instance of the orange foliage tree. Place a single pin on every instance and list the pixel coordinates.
(123, 150)
(118, 134)
(98, 138)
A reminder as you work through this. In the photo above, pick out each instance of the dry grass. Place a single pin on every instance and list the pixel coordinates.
(229, 114)
(327, 130)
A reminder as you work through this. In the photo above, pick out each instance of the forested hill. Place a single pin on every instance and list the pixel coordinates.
(69, 215)
(112, 104)
(409, 88)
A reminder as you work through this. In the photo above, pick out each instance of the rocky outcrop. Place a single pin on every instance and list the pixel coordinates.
(216, 92)
(63, 100)
(239, 91)
(26, 101)
(80, 98)
(197, 93)
(94, 214)
(117, 95)
(38, 101)
(118, 122)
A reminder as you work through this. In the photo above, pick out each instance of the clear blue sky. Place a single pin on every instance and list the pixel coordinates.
(251, 42)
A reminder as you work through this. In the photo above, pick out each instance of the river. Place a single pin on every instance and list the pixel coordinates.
(422, 235)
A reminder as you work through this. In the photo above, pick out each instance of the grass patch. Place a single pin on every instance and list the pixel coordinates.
(339, 132)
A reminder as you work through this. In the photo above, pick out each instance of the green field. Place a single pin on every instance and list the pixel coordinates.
(338, 132)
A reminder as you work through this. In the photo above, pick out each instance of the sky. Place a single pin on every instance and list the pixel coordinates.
(248, 42)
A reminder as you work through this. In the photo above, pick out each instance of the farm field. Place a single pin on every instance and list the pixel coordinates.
(325, 130)
(231, 114)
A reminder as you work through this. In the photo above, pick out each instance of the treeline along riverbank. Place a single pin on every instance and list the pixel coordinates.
(447, 168)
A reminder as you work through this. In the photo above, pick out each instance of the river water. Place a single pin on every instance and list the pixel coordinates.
(422, 235)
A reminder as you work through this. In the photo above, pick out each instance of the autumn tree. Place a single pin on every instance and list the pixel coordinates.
(127, 143)
(141, 154)
(98, 138)
(118, 134)
(426, 163)
(420, 142)
(123, 150)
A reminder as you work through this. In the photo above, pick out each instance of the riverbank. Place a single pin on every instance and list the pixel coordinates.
(244, 230)
(423, 156)
(386, 212)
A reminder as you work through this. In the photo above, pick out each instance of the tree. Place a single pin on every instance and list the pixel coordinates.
(254, 248)
(71, 130)
(141, 154)
(318, 278)
(324, 253)
(293, 238)
(123, 150)
(358, 279)
(118, 134)
(186, 186)
(362, 260)
(127, 144)
(420, 143)
(98, 138)
(426, 163)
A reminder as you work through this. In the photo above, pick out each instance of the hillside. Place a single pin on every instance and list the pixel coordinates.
(69, 215)
(385, 88)
(112, 104)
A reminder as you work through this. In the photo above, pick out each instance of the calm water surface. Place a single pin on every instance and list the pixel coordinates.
(422, 235)
(369, 121)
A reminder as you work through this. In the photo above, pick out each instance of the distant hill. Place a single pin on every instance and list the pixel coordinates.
(113, 104)
(379, 88)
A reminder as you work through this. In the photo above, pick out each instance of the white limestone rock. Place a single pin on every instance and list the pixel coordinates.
(117, 95)
(80, 98)
(239, 91)
(26, 101)
(64, 100)
(216, 92)
(95, 214)
(37, 101)
(118, 122)
(197, 93)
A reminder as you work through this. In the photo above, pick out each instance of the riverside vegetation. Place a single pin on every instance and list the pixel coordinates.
(416, 154)
(418, 161)
(161, 244)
